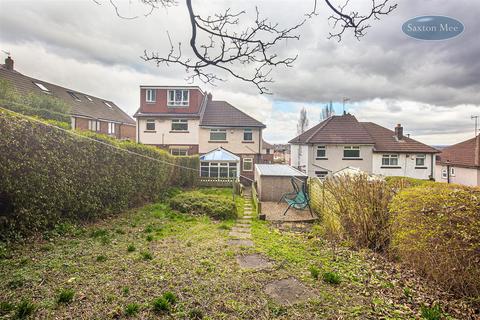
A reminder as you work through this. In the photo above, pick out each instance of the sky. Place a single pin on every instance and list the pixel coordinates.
(432, 88)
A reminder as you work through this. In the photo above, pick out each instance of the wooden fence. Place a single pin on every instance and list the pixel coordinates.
(257, 205)
(213, 182)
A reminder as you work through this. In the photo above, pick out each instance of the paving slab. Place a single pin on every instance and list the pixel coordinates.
(287, 292)
(240, 235)
(253, 261)
(240, 242)
(241, 229)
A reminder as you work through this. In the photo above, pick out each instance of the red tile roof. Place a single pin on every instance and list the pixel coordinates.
(343, 129)
(386, 141)
(96, 108)
(223, 114)
(463, 154)
(346, 129)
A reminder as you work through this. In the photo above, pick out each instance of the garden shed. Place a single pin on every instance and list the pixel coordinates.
(274, 180)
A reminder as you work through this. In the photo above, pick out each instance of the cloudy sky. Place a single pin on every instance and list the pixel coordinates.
(432, 88)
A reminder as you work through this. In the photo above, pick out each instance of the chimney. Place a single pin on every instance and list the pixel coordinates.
(399, 132)
(209, 97)
(477, 150)
(9, 63)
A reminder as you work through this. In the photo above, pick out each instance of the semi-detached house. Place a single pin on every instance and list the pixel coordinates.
(87, 111)
(342, 141)
(186, 121)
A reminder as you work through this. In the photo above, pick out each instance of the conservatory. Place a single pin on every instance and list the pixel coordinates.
(219, 164)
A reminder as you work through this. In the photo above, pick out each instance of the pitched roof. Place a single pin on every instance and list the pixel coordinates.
(344, 129)
(96, 108)
(465, 154)
(386, 141)
(266, 145)
(223, 114)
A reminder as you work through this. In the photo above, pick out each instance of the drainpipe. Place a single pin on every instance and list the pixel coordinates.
(448, 171)
(432, 177)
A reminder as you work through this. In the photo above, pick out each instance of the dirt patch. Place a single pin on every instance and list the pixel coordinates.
(254, 261)
(275, 212)
(240, 242)
(288, 291)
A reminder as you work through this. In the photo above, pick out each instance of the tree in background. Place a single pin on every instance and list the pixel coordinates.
(302, 126)
(327, 111)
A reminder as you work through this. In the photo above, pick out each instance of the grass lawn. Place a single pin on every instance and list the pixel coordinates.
(154, 263)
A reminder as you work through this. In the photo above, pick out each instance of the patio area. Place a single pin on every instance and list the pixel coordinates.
(273, 211)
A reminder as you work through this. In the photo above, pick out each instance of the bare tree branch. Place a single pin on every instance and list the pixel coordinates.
(251, 53)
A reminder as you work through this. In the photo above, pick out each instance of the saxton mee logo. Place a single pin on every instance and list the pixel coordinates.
(433, 28)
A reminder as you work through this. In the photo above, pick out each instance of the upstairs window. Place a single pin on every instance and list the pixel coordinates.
(321, 152)
(179, 125)
(74, 96)
(42, 87)
(218, 134)
(150, 125)
(178, 98)
(420, 160)
(151, 95)
(93, 125)
(351, 152)
(111, 128)
(390, 160)
(247, 135)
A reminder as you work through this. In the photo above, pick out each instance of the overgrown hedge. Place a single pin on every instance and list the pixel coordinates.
(39, 112)
(436, 230)
(215, 206)
(48, 175)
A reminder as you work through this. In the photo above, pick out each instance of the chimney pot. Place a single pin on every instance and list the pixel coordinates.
(399, 131)
(9, 63)
(209, 96)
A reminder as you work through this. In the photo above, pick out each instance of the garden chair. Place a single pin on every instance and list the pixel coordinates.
(298, 199)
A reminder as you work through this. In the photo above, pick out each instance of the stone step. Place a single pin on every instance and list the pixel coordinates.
(240, 235)
(240, 242)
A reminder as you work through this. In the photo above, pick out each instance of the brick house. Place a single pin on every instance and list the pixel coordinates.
(186, 121)
(341, 142)
(87, 112)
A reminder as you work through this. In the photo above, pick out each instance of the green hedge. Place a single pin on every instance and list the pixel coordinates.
(48, 175)
(213, 205)
(39, 112)
(436, 230)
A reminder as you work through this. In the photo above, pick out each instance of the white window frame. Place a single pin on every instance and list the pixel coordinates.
(420, 157)
(150, 121)
(179, 121)
(247, 161)
(452, 172)
(345, 148)
(174, 103)
(217, 131)
(444, 173)
(94, 125)
(321, 148)
(248, 131)
(390, 157)
(111, 128)
(205, 166)
(150, 95)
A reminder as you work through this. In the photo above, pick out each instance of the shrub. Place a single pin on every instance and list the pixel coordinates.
(25, 309)
(331, 277)
(49, 176)
(314, 272)
(170, 297)
(132, 309)
(356, 209)
(65, 296)
(198, 203)
(161, 305)
(400, 183)
(432, 313)
(131, 248)
(436, 231)
(146, 255)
